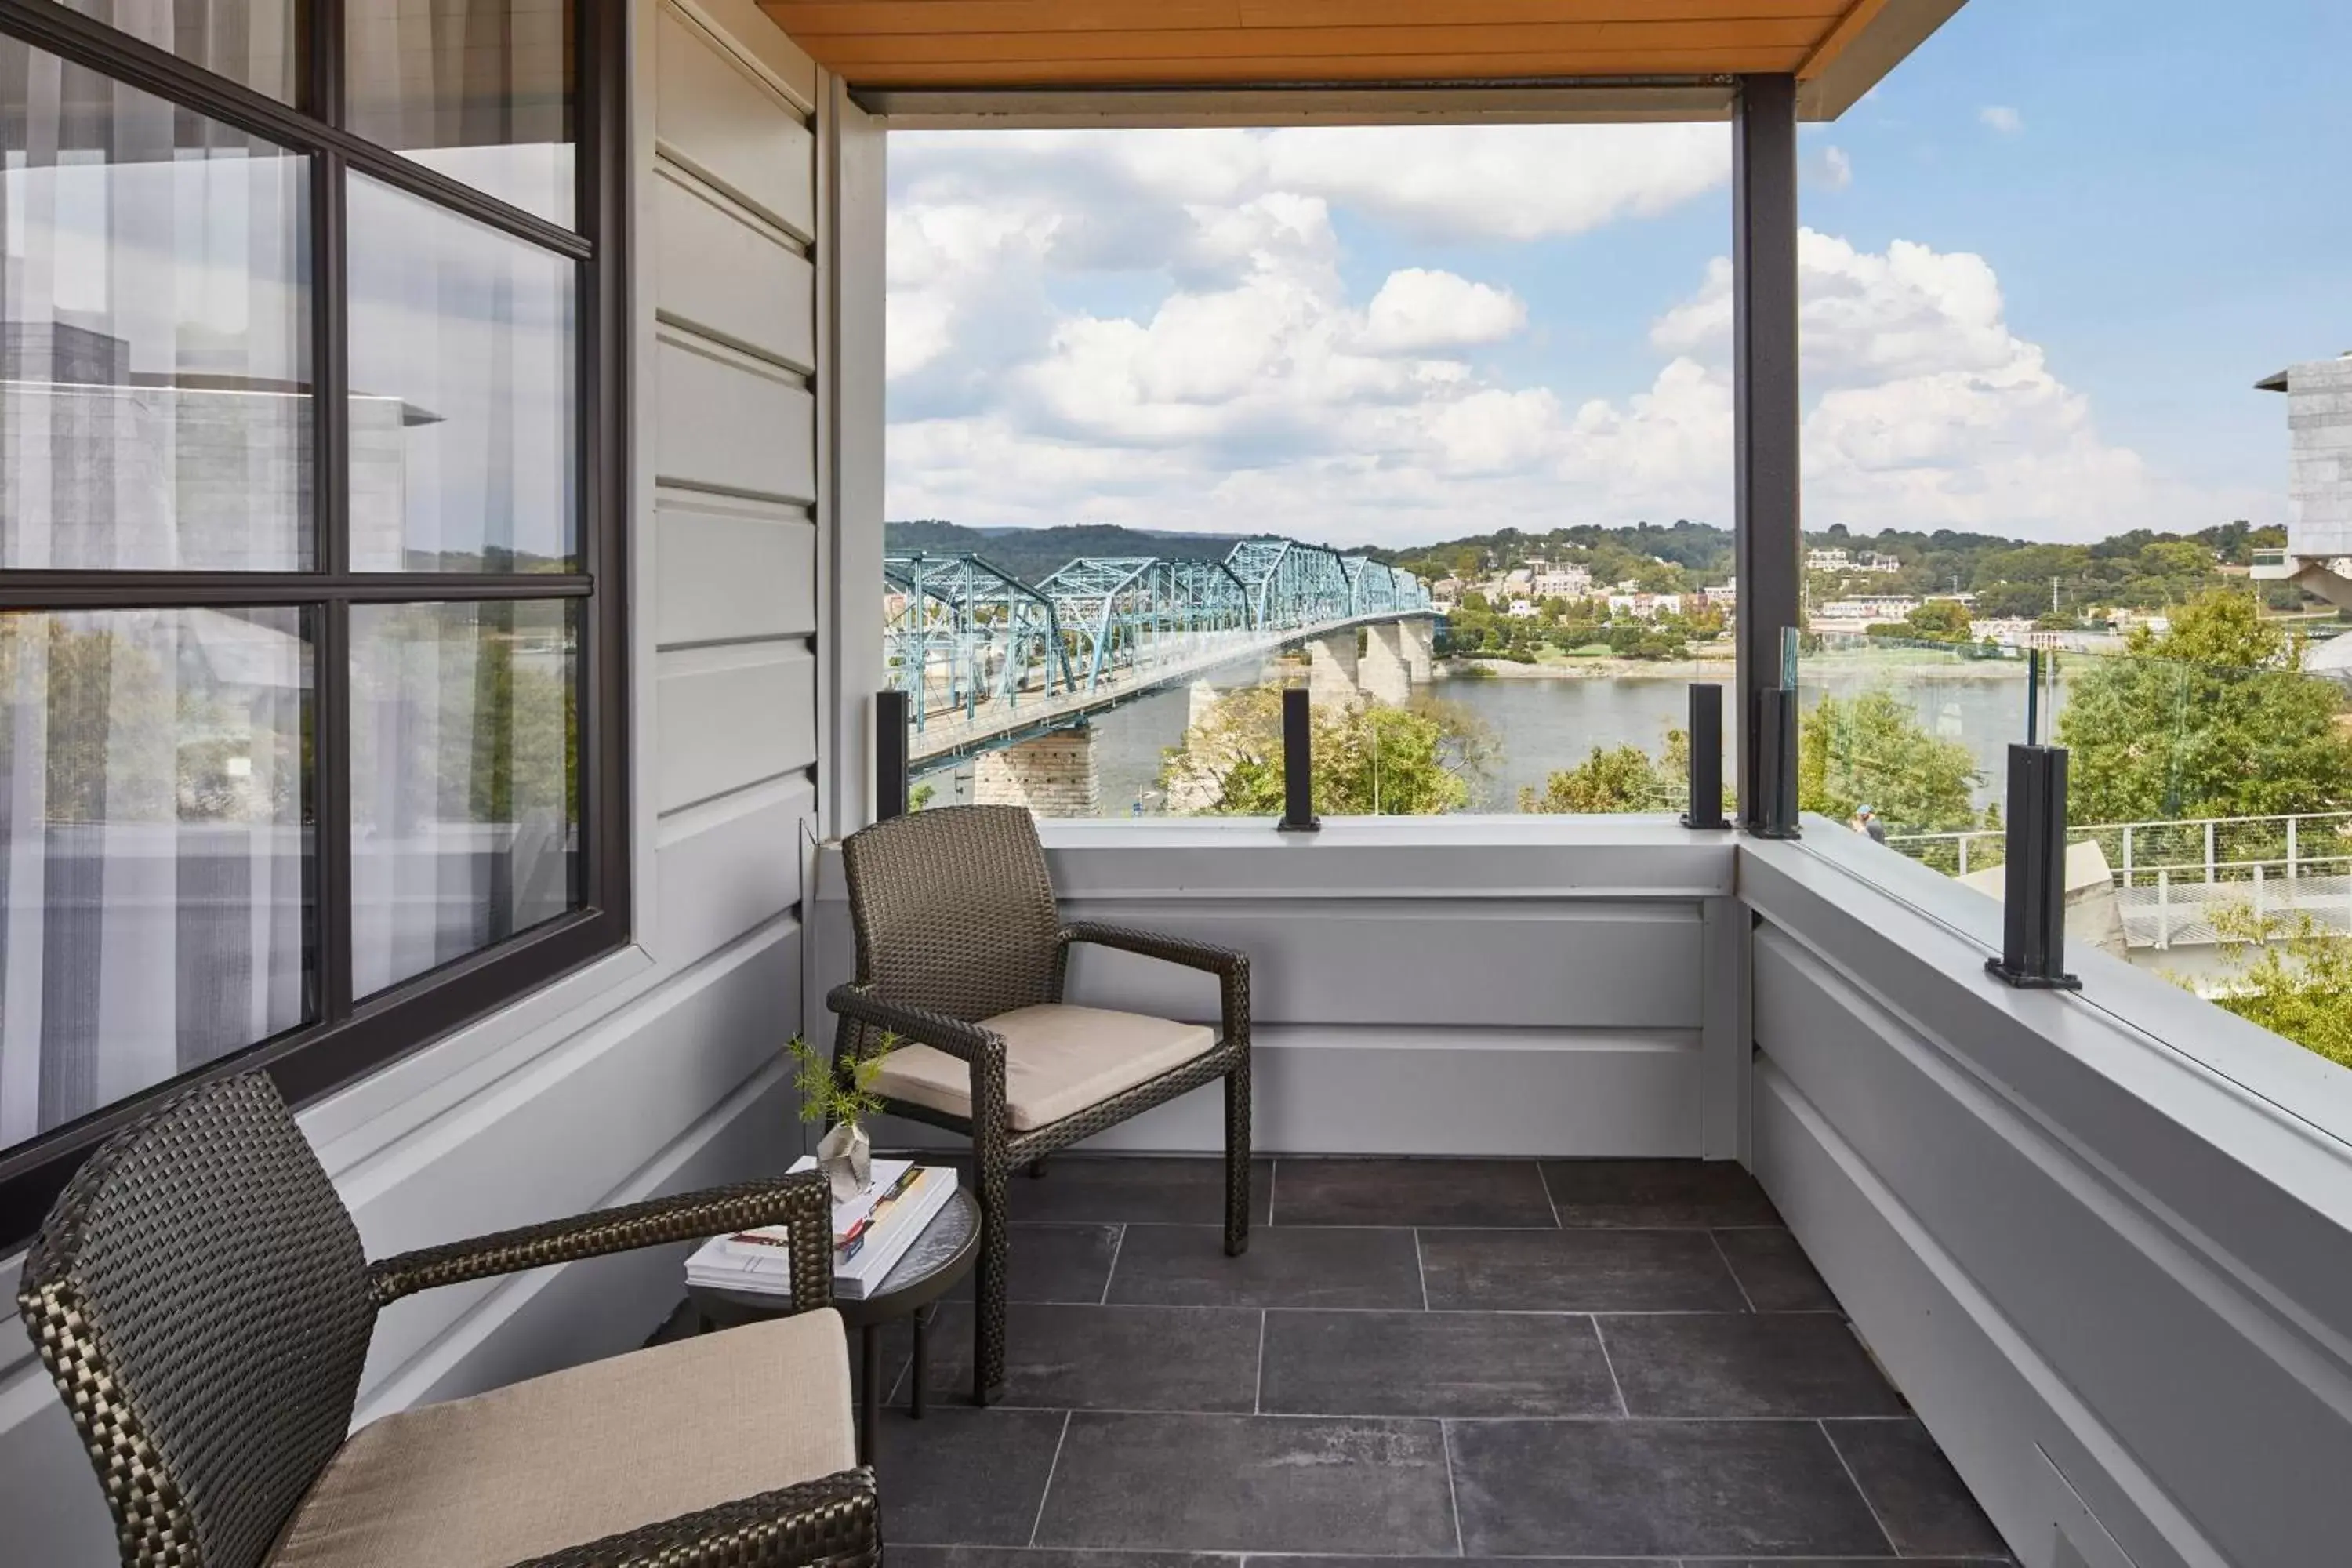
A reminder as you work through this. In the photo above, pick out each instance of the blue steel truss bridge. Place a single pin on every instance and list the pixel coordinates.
(990, 660)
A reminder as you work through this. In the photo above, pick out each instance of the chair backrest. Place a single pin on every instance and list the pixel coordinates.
(954, 911)
(200, 1296)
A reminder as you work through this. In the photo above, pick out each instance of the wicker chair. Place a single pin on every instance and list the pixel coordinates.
(200, 1297)
(961, 956)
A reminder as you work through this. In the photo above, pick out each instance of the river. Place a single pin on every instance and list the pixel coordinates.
(1544, 722)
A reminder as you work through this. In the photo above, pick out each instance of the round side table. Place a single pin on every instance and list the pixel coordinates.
(940, 1259)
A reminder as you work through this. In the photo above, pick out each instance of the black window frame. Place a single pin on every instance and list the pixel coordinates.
(349, 1037)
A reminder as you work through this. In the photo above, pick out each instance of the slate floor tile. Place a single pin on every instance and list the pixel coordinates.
(1774, 1271)
(1059, 1357)
(1410, 1191)
(1577, 1271)
(963, 1474)
(1435, 1363)
(1834, 1562)
(1655, 1489)
(1100, 1189)
(1744, 1364)
(1049, 1557)
(1268, 1560)
(1286, 1266)
(1656, 1193)
(1054, 1263)
(1919, 1497)
(1244, 1483)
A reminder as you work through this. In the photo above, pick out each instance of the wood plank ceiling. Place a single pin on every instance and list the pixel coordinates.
(982, 45)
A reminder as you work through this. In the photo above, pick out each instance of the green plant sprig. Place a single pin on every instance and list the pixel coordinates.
(825, 1099)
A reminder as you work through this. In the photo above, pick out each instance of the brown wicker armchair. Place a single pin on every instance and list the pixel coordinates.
(200, 1297)
(961, 953)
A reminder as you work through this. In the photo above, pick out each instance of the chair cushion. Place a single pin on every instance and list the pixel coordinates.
(571, 1458)
(1058, 1060)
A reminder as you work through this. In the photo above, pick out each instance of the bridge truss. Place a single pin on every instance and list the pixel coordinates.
(987, 655)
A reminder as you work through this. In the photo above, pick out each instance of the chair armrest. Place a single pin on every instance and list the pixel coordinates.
(1152, 944)
(803, 1202)
(836, 1521)
(1231, 967)
(863, 1004)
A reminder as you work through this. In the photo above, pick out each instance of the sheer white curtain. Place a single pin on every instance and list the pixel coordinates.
(154, 414)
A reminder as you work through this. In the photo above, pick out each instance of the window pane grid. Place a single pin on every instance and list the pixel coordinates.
(489, 675)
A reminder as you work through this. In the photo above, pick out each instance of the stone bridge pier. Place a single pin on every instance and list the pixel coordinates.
(1053, 776)
(1396, 657)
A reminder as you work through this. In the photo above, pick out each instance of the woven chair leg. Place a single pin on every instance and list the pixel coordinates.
(988, 1295)
(1237, 1161)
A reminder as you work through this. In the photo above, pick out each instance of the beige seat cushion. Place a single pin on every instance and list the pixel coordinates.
(571, 1458)
(1058, 1060)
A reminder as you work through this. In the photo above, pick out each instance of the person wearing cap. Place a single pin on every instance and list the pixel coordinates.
(1865, 821)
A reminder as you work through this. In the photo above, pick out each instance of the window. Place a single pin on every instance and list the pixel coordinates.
(310, 462)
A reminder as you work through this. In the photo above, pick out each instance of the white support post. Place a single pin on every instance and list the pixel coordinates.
(2128, 854)
(2163, 908)
(2261, 913)
(1965, 839)
(2292, 849)
(2210, 870)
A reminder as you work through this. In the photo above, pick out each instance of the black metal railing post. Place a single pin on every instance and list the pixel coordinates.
(891, 749)
(2033, 922)
(1776, 770)
(1298, 764)
(1706, 757)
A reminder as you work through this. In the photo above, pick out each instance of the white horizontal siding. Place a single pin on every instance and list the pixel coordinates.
(719, 119)
(732, 570)
(732, 717)
(723, 868)
(722, 274)
(729, 422)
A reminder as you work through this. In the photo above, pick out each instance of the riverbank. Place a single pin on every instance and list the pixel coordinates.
(1894, 662)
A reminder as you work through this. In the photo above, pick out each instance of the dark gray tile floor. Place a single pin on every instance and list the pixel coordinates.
(1616, 1363)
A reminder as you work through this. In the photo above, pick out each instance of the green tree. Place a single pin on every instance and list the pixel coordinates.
(1371, 759)
(1870, 750)
(2291, 978)
(1618, 779)
(2213, 719)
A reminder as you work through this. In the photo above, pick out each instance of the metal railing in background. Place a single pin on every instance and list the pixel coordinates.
(2173, 877)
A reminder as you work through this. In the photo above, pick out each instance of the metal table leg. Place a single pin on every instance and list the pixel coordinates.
(869, 1392)
(922, 1318)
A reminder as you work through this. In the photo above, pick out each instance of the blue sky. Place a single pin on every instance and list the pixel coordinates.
(2047, 258)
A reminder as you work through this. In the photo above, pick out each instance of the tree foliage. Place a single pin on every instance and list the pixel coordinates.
(2213, 718)
(1870, 750)
(2291, 978)
(1618, 779)
(1371, 759)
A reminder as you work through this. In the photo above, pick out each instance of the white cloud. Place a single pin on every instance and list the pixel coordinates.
(2001, 118)
(1222, 373)
(1417, 310)
(1836, 170)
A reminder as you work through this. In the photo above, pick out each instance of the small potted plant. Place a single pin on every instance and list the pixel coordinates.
(845, 1154)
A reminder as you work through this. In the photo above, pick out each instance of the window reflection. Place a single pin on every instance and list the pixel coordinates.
(462, 406)
(152, 848)
(464, 793)
(250, 41)
(155, 407)
(480, 89)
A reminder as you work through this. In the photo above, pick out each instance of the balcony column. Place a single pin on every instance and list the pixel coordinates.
(1384, 673)
(1053, 776)
(1768, 545)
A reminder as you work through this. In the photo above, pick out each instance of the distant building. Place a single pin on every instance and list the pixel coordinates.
(1522, 610)
(1646, 606)
(107, 467)
(1518, 584)
(1828, 561)
(1563, 582)
(1869, 609)
(1871, 560)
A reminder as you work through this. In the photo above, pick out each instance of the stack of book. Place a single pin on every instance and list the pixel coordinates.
(870, 1232)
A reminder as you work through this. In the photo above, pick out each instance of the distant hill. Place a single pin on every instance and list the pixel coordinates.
(1032, 553)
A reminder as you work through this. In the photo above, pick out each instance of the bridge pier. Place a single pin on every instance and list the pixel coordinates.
(1386, 672)
(1053, 776)
(1417, 639)
(1201, 701)
(1331, 669)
